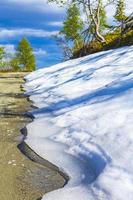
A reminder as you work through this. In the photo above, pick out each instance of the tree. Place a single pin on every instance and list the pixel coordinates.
(73, 25)
(96, 17)
(2, 55)
(70, 38)
(128, 23)
(63, 44)
(3, 63)
(14, 63)
(103, 18)
(25, 55)
(120, 15)
(95, 14)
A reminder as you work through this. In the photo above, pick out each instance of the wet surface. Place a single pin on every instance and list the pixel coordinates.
(20, 178)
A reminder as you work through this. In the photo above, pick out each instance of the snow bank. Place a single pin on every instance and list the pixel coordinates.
(84, 124)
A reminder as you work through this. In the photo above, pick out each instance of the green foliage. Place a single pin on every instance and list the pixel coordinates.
(103, 17)
(73, 25)
(70, 38)
(2, 55)
(94, 27)
(25, 56)
(3, 63)
(120, 11)
(22, 60)
(112, 41)
(14, 64)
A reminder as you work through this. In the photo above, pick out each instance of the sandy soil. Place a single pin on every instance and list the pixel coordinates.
(20, 178)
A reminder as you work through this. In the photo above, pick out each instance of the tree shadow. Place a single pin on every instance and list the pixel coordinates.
(108, 92)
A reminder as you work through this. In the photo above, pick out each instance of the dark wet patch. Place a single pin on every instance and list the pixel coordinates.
(14, 95)
(28, 152)
(30, 176)
(9, 115)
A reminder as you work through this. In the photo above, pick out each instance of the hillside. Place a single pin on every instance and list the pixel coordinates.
(113, 40)
(84, 124)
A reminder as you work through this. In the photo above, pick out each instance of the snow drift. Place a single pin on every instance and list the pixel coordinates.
(84, 124)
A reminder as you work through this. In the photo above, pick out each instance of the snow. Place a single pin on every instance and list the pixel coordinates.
(84, 124)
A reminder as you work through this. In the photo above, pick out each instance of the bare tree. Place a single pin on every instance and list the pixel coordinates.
(94, 11)
(128, 23)
(64, 46)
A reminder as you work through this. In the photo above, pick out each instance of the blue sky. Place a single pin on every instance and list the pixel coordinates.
(36, 20)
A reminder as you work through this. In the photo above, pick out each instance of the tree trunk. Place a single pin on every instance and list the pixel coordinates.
(99, 37)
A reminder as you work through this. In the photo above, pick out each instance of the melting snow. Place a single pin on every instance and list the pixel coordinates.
(84, 124)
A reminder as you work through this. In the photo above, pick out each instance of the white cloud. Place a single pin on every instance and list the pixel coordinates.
(56, 23)
(9, 33)
(40, 52)
(9, 48)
